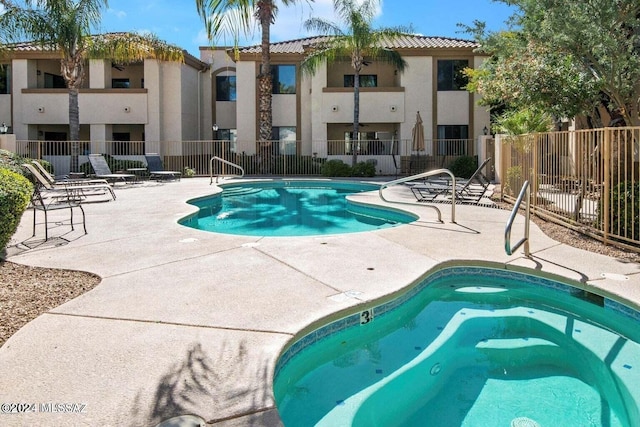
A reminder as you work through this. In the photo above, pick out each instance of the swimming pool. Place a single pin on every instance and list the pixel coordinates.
(292, 208)
(469, 346)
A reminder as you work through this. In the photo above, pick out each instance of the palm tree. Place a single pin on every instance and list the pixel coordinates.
(359, 41)
(237, 15)
(65, 25)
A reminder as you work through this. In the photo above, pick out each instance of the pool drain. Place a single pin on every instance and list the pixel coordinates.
(524, 422)
(435, 369)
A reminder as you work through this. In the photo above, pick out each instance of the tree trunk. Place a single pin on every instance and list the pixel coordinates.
(356, 117)
(265, 86)
(74, 128)
(72, 69)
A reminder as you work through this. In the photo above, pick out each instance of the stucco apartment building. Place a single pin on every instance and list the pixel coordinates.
(215, 97)
(317, 110)
(150, 101)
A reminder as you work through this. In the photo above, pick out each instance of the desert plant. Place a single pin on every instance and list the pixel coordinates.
(464, 166)
(364, 169)
(47, 166)
(189, 172)
(15, 193)
(12, 161)
(514, 175)
(336, 168)
(624, 210)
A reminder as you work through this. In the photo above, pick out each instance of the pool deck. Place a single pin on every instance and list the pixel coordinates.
(191, 322)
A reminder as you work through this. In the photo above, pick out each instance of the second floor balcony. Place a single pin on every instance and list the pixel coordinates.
(379, 104)
(97, 106)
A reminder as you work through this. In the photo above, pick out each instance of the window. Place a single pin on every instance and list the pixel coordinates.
(52, 81)
(230, 135)
(120, 83)
(366, 80)
(56, 144)
(284, 140)
(456, 140)
(225, 88)
(122, 145)
(450, 75)
(5, 79)
(284, 79)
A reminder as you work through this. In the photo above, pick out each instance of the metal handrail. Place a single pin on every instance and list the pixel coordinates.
(424, 175)
(226, 162)
(526, 191)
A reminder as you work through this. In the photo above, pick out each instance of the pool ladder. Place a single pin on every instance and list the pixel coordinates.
(224, 162)
(419, 176)
(525, 192)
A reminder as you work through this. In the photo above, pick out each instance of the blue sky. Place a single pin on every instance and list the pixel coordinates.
(177, 22)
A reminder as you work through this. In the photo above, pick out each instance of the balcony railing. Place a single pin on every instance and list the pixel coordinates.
(390, 157)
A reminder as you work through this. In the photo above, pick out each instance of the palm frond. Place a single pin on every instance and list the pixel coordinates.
(125, 48)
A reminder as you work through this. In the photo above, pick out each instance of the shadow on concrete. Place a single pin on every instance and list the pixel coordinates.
(37, 243)
(196, 385)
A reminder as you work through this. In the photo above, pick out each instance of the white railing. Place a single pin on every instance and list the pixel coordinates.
(525, 192)
(419, 176)
(224, 162)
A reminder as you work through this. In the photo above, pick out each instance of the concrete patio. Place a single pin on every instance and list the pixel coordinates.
(192, 322)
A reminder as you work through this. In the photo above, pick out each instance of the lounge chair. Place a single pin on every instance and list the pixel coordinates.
(67, 181)
(101, 170)
(74, 190)
(67, 199)
(156, 170)
(466, 190)
(466, 193)
(477, 178)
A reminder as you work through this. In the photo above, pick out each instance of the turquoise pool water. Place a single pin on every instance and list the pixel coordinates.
(291, 208)
(469, 347)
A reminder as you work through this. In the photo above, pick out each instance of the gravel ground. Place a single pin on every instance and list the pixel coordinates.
(27, 292)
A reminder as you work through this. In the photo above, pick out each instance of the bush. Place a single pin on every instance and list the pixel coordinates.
(12, 161)
(624, 216)
(464, 167)
(15, 193)
(336, 168)
(367, 169)
(47, 166)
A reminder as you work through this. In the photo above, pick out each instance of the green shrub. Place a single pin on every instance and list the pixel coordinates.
(47, 166)
(12, 161)
(15, 193)
(336, 168)
(464, 167)
(367, 169)
(624, 210)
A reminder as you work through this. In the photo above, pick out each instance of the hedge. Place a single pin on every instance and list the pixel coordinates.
(15, 193)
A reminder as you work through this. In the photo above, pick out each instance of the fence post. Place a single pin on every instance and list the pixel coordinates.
(536, 158)
(606, 217)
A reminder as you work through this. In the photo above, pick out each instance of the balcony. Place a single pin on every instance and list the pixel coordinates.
(97, 106)
(377, 104)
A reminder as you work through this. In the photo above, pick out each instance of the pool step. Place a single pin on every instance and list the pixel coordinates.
(240, 191)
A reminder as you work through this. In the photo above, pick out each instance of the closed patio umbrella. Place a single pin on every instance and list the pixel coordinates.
(417, 134)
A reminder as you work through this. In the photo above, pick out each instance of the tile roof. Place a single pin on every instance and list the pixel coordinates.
(404, 42)
(31, 46)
